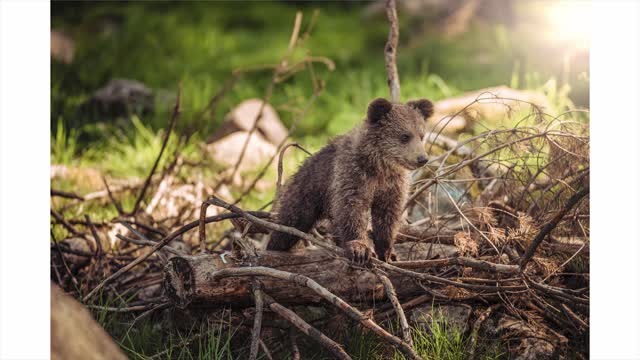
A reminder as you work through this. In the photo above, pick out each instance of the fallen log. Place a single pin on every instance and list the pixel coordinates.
(188, 279)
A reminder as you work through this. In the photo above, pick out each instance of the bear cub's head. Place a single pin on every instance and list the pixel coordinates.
(397, 130)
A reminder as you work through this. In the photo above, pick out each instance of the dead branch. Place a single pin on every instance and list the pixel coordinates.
(393, 298)
(64, 194)
(165, 141)
(307, 329)
(94, 232)
(546, 229)
(114, 201)
(280, 156)
(257, 320)
(390, 51)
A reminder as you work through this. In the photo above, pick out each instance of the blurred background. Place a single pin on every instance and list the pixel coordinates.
(116, 67)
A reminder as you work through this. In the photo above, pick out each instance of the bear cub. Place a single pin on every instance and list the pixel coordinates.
(364, 173)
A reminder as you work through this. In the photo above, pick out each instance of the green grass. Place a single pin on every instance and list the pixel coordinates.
(199, 44)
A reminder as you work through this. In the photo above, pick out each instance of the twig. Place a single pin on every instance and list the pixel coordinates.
(202, 230)
(557, 292)
(295, 320)
(390, 51)
(65, 223)
(115, 202)
(264, 348)
(125, 309)
(94, 232)
(257, 320)
(165, 141)
(149, 243)
(393, 298)
(64, 262)
(574, 317)
(546, 229)
(64, 194)
(280, 156)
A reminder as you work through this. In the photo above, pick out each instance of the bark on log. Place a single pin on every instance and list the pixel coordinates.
(188, 278)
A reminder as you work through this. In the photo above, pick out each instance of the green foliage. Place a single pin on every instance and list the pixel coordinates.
(64, 144)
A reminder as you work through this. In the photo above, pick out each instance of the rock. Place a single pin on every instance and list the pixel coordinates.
(120, 97)
(487, 110)
(62, 47)
(456, 317)
(227, 150)
(242, 117)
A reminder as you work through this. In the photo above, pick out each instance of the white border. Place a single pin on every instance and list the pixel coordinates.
(615, 179)
(24, 187)
(24, 182)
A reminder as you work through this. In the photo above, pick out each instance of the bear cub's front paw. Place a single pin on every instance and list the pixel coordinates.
(359, 252)
(387, 255)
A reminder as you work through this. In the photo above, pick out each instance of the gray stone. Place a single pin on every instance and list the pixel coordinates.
(242, 117)
(120, 97)
(227, 150)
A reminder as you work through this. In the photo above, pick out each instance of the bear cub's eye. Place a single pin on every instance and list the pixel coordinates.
(405, 138)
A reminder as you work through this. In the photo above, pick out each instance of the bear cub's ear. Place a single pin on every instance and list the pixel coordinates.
(378, 108)
(424, 107)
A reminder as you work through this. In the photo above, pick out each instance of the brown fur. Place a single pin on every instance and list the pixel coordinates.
(364, 172)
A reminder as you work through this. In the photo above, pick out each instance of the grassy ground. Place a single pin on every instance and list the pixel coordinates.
(199, 44)
(216, 340)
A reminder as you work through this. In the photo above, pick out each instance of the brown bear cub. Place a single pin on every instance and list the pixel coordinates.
(364, 172)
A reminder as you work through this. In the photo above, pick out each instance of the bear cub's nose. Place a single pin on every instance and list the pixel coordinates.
(422, 160)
